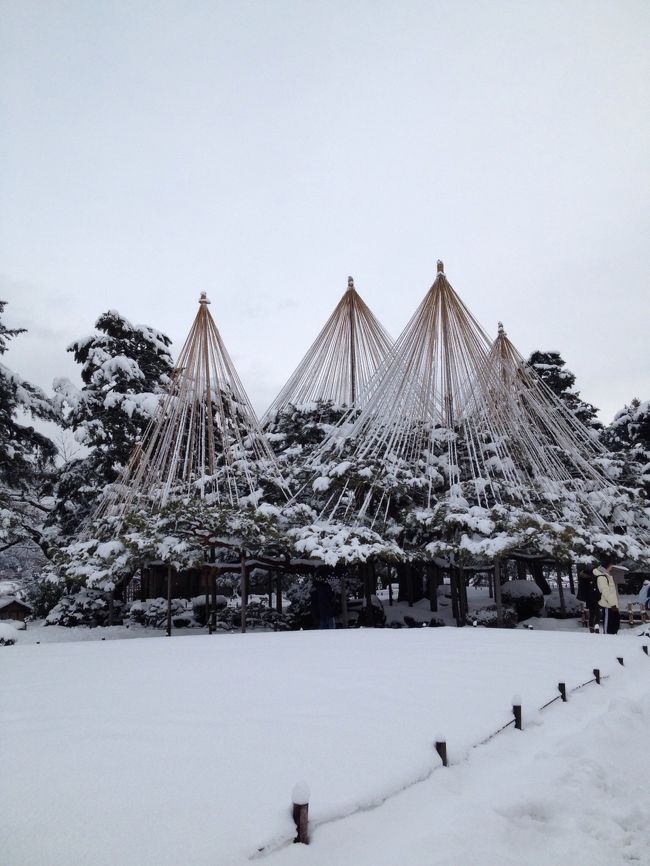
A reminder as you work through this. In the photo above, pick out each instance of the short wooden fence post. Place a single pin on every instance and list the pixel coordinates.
(619, 659)
(516, 711)
(562, 690)
(441, 749)
(300, 797)
(645, 648)
(597, 675)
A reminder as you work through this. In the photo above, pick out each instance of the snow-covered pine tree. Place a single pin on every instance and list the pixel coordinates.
(26, 456)
(551, 368)
(124, 368)
(628, 436)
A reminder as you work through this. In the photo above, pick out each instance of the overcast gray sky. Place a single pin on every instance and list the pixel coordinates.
(262, 151)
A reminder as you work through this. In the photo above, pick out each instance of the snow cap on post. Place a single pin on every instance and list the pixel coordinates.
(300, 794)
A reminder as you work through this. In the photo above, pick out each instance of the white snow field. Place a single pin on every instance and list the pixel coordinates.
(175, 752)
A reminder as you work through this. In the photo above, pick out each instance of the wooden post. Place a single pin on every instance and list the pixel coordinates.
(462, 593)
(597, 675)
(516, 711)
(562, 690)
(441, 749)
(619, 659)
(372, 581)
(645, 648)
(453, 587)
(560, 588)
(353, 349)
(206, 586)
(111, 607)
(278, 592)
(300, 797)
(409, 583)
(344, 601)
(390, 586)
(213, 615)
(432, 587)
(243, 590)
(491, 584)
(497, 591)
(169, 601)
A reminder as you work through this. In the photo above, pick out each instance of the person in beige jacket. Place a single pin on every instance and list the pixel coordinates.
(608, 599)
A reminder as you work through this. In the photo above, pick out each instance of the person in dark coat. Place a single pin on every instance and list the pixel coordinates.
(589, 593)
(322, 603)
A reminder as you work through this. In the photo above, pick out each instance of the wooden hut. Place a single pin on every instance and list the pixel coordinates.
(14, 608)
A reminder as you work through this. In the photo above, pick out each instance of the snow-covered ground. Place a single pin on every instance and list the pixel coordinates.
(178, 752)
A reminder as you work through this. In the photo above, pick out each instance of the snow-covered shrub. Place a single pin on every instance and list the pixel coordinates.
(487, 616)
(87, 607)
(525, 596)
(411, 622)
(553, 608)
(198, 607)
(257, 616)
(153, 613)
(8, 634)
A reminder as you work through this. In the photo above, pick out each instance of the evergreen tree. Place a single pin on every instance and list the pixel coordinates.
(26, 456)
(124, 368)
(295, 432)
(551, 368)
(628, 436)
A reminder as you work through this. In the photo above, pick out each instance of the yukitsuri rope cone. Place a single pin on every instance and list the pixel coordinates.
(204, 441)
(340, 362)
(457, 426)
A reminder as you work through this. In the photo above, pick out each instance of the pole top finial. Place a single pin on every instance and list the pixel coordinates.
(204, 298)
(441, 267)
(350, 283)
(501, 330)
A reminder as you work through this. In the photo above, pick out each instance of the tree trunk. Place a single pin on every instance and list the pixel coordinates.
(560, 588)
(433, 573)
(243, 590)
(572, 585)
(538, 576)
(497, 591)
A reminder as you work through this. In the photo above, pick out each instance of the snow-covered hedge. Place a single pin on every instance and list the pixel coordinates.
(87, 607)
(153, 613)
(487, 616)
